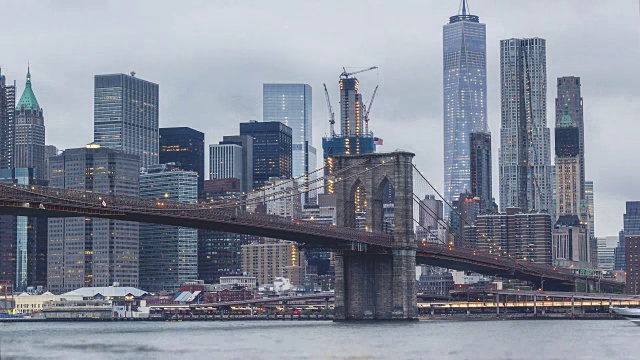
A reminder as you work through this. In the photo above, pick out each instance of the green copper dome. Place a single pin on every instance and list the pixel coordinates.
(28, 98)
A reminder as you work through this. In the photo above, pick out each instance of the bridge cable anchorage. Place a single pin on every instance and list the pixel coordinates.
(263, 189)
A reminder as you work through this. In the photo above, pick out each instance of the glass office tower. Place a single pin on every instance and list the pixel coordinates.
(290, 104)
(465, 97)
(183, 146)
(23, 240)
(272, 150)
(125, 115)
(168, 254)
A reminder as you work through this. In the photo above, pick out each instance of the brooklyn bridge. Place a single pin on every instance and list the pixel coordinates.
(375, 268)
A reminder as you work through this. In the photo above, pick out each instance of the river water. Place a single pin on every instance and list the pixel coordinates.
(526, 339)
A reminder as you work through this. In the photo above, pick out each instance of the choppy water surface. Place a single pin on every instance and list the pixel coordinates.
(544, 339)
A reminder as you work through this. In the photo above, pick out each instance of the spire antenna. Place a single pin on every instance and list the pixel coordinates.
(464, 7)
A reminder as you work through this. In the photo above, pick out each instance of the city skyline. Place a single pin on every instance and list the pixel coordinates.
(67, 94)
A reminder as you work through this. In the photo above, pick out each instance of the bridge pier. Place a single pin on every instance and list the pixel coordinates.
(375, 286)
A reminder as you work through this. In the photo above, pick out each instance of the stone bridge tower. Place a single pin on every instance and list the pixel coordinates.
(376, 284)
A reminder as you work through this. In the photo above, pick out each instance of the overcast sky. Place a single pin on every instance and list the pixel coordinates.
(211, 57)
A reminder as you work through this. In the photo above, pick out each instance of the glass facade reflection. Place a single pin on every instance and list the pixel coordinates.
(272, 149)
(185, 147)
(23, 240)
(465, 92)
(290, 104)
(168, 254)
(126, 116)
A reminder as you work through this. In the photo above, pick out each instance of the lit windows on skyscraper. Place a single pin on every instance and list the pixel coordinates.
(465, 92)
(126, 116)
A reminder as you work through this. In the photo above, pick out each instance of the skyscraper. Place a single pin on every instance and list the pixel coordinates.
(632, 218)
(568, 190)
(219, 253)
(29, 133)
(290, 104)
(225, 161)
(481, 176)
(570, 100)
(7, 122)
(246, 141)
(525, 140)
(465, 96)
(85, 251)
(184, 147)
(23, 240)
(168, 254)
(591, 210)
(272, 150)
(125, 115)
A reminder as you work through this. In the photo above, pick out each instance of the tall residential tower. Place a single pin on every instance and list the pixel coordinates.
(465, 96)
(7, 122)
(525, 140)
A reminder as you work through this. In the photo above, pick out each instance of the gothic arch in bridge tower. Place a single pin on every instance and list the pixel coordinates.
(376, 175)
(374, 283)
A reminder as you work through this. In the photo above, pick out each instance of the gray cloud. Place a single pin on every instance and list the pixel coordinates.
(211, 58)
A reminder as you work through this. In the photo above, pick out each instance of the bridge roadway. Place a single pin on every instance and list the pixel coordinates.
(286, 299)
(41, 201)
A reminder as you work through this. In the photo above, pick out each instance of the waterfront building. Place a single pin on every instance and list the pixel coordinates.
(632, 258)
(464, 95)
(243, 281)
(272, 150)
(125, 115)
(435, 283)
(84, 251)
(7, 122)
(631, 221)
(184, 147)
(522, 236)
(168, 254)
(290, 104)
(268, 259)
(29, 133)
(23, 240)
(525, 140)
(26, 303)
(219, 253)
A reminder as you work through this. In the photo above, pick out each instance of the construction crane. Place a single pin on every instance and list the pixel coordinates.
(367, 109)
(345, 74)
(332, 117)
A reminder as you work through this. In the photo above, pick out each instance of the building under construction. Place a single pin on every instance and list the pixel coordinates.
(355, 137)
